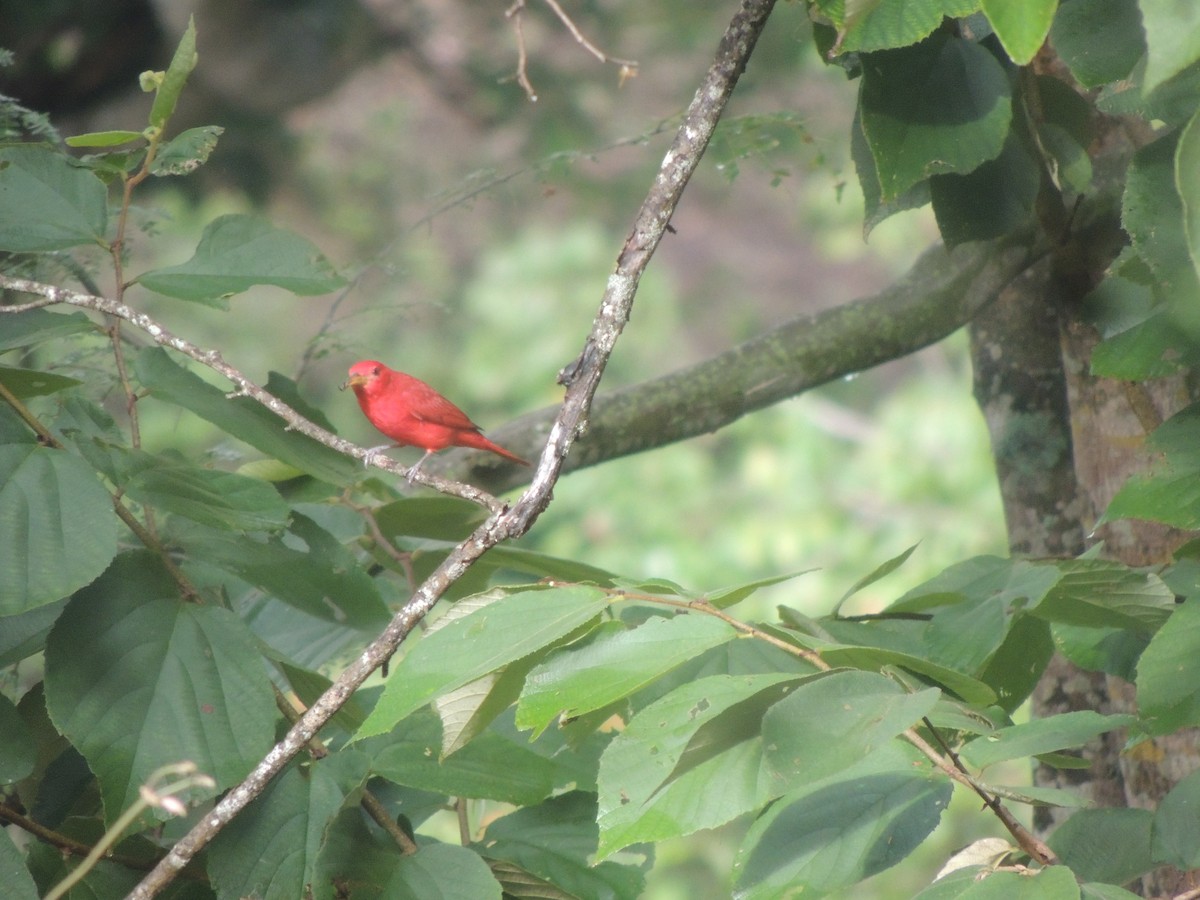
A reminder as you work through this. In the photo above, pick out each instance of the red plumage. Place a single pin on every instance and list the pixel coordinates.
(412, 413)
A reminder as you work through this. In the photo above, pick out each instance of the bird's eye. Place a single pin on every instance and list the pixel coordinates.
(375, 370)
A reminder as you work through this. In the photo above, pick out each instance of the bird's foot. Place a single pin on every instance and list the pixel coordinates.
(373, 455)
(412, 473)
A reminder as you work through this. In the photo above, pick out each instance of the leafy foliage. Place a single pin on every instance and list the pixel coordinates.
(177, 607)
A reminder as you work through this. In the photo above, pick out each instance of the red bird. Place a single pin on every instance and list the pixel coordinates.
(413, 414)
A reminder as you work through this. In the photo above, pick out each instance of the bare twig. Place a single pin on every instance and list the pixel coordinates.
(650, 225)
(628, 67)
(244, 386)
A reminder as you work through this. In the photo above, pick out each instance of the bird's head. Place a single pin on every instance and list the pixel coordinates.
(364, 374)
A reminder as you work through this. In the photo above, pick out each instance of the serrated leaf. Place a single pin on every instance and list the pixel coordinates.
(1041, 736)
(1099, 40)
(1110, 845)
(992, 200)
(1102, 594)
(136, 679)
(690, 760)
(187, 151)
(442, 872)
(555, 841)
(18, 883)
(1168, 679)
(868, 823)
(240, 417)
(272, 848)
(210, 497)
(482, 642)
(489, 767)
(613, 666)
(47, 203)
(16, 745)
(1171, 27)
(859, 712)
(320, 577)
(969, 689)
(57, 526)
(941, 106)
(1152, 212)
(1173, 838)
(237, 252)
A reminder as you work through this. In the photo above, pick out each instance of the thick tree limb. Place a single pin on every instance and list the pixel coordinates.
(942, 292)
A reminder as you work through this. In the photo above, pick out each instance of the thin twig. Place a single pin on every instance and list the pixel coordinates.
(244, 386)
(584, 42)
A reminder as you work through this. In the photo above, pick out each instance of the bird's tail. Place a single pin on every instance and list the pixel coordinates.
(479, 442)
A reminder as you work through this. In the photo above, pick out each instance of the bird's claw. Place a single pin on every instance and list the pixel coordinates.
(373, 454)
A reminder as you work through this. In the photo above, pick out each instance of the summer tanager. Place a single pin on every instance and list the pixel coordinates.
(413, 414)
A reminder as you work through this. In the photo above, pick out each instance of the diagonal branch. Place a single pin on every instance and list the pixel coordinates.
(582, 380)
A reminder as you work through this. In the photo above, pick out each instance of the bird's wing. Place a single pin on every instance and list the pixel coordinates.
(427, 405)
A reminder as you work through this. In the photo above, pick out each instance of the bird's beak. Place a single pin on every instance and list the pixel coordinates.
(353, 381)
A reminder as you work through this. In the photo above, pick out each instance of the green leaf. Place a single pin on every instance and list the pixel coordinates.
(1152, 212)
(57, 526)
(103, 138)
(1099, 40)
(23, 635)
(723, 598)
(1041, 736)
(880, 571)
(1187, 181)
(237, 252)
(874, 659)
(1168, 680)
(482, 642)
(323, 578)
(1168, 492)
(46, 203)
(867, 822)
(186, 152)
(1154, 348)
(859, 712)
(442, 872)
(690, 760)
(36, 325)
(173, 80)
(34, 382)
(219, 499)
(882, 24)
(1110, 845)
(555, 841)
(941, 106)
(994, 199)
(1174, 839)
(1171, 28)
(241, 418)
(613, 666)
(979, 883)
(16, 745)
(876, 208)
(137, 679)
(1021, 25)
(18, 883)
(1102, 594)
(272, 848)
(489, 767)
